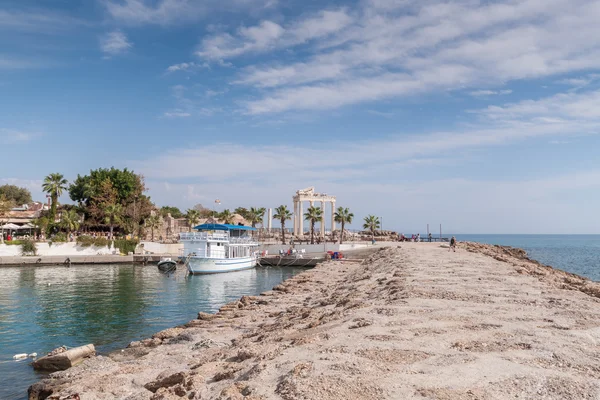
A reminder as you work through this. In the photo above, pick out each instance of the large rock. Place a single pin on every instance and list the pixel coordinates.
(64, 360)
(165, 380)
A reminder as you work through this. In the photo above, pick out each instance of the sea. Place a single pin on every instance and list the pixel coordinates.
(579, 254)
(42, 308)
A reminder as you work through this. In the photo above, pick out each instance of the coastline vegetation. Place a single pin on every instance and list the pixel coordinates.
(343, 216)
(282, 214)
(371, 223)
(313, 215)
(113, 202)
(28, 248)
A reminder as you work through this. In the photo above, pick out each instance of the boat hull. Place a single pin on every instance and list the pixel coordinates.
(290, 261)
(199, 265)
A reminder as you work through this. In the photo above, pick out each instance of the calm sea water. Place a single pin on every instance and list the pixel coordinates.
(42, 308)
(579, 254)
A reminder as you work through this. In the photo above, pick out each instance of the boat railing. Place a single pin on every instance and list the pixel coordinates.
(193, 236)
(215, 236)
(242, 240)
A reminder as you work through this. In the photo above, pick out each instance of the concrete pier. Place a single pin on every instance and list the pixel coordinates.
(64, 260)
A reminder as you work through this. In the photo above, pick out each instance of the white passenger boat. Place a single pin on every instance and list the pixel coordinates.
(219, 248)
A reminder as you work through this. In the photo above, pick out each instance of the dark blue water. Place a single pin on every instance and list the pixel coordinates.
(579, 254)
(42, 308)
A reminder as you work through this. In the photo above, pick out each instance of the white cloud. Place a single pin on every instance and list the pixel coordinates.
(479, 93)
(7, 62)
(115, 43)
(557, 116)
(188, 66)
(165, 12)
(572, 108)
(37, 21)
(8, 136)
(386, 49)
(270, 35)
(177, 114)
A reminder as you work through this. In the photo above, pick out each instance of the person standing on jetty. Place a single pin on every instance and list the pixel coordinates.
(452, 244)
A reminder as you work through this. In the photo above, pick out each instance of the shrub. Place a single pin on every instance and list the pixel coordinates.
(125, 246)
(59, 238)
(84, 241)
(13, 242)
(28, 248)
(87, 241)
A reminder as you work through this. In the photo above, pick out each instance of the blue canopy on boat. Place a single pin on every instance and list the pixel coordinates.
(223, 227)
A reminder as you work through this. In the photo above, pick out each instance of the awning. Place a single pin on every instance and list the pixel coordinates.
(223, 227)
(11, 226)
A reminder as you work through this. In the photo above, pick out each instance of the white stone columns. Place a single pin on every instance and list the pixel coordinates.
(322, 219)
(301, 219)
(332, 217)
(270, 221)
(295, 219)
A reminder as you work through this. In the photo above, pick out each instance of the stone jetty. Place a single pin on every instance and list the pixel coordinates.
(409, 322)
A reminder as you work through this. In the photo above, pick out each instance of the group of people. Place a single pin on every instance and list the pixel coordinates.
(414, 238)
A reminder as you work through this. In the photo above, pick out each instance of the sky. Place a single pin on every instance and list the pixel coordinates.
(482, 116)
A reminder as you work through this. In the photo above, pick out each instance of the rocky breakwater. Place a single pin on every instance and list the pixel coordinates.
(416, 322)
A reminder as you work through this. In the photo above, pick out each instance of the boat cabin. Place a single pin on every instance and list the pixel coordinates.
(219, 241)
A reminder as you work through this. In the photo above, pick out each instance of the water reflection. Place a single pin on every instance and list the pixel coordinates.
(45, 307)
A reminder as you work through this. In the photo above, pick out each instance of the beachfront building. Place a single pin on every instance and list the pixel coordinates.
(309, 195)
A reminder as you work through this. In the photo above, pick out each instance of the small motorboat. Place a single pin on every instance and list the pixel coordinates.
(167, 265)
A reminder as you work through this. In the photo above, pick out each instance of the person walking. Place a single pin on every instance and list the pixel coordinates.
(452, 244)
(429, 236)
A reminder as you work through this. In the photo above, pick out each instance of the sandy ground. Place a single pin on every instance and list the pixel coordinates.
(415, 322)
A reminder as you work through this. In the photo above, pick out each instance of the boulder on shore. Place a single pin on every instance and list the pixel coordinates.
(59, 361)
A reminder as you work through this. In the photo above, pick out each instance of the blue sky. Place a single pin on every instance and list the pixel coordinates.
(480, 115)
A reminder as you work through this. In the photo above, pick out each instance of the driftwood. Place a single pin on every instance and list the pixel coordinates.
(65, 359)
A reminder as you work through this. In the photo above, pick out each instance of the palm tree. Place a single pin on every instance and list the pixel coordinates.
(226, 216)
(343, 216)
(313, 214)
(256, 215)
(153, 222)
(5, 207)
(282, 214)
(192, 216)
(112, 216)
(371, 223)
(54, 184)
(70, 221)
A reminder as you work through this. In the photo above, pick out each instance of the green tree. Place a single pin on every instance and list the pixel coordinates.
(174, 211)
(41, 224)
(255, 215)
(371, 223)
(70, 221)
(343, 216)
(128, 192)
(54, 184)
(226, 216)
(153, 222)
(313, 215)
(113, 214)
(16, 194)
(5, 206)
(193, 217)
(282, 214)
